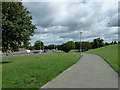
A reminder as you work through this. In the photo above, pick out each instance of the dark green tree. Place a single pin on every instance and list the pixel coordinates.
(31, 47)
(68, 46)
(59, 47)
(17, 26)
(115, 42)
(26, 45)
(97, 43)
(106, 43)
(112, 43)
(39, 45)
(77, 45)
(51, 46)
(85, 45)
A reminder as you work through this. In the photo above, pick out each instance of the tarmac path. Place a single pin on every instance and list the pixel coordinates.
(89, 72)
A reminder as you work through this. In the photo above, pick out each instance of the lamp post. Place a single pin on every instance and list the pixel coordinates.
(40, 46)
(109, 32)
(54, 47)
(80, 42)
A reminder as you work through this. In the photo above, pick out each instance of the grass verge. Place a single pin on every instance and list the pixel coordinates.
(36, 70)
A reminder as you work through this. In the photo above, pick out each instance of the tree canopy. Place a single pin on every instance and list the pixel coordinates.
(68, 46)
(51, 46)
(84, 45)
(98, 42)
(39, 45)
(17, 26)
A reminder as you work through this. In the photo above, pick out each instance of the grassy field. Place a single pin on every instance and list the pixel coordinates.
(109, 53)
(36, 70)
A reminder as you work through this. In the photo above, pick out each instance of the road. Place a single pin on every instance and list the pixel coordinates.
(89, 72)
(19, 55)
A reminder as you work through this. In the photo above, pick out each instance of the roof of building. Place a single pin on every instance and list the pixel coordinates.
(22, 49)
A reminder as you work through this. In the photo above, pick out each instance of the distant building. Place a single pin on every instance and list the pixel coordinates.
(24, 50)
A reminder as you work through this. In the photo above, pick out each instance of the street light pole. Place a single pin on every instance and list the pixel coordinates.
(109, 32)
(40, 46)
(80, 42)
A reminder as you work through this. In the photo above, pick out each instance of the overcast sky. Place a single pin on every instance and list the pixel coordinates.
(58, 22)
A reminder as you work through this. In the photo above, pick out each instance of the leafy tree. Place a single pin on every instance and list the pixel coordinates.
(107, 43)
(26, 45)
(17, 26)
(112, 43)
(59, 47)
(68, 46)
(52, 46)
(0, 37)
(115, 42)
(85, 45)
(97, 43)
(31, 47)
(39, 45)
(77, 45)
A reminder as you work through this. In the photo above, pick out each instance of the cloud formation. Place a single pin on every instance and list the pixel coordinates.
(60, 22)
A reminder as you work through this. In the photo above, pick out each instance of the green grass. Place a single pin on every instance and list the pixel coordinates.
(109, 53)
(6, 60)
(36, 70)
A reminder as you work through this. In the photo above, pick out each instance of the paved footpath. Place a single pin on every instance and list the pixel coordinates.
(89, 72)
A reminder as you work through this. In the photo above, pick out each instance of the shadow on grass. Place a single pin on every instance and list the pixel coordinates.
(4, 62)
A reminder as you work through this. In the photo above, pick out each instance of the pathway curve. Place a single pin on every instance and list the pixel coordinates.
(89, 72)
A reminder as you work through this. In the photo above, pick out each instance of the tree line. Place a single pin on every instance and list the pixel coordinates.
(69, 45)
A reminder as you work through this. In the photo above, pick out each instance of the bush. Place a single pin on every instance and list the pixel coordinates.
(68, 46)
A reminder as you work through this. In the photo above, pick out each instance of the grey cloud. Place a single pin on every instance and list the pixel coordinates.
(60, 22)
(48, 14)
(55, 29)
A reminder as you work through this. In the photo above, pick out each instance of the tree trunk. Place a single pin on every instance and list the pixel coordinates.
(6, 53)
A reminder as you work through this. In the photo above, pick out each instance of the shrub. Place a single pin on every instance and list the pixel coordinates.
(68, 46)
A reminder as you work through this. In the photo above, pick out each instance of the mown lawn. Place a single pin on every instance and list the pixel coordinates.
(109, 53)
(36, 70)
